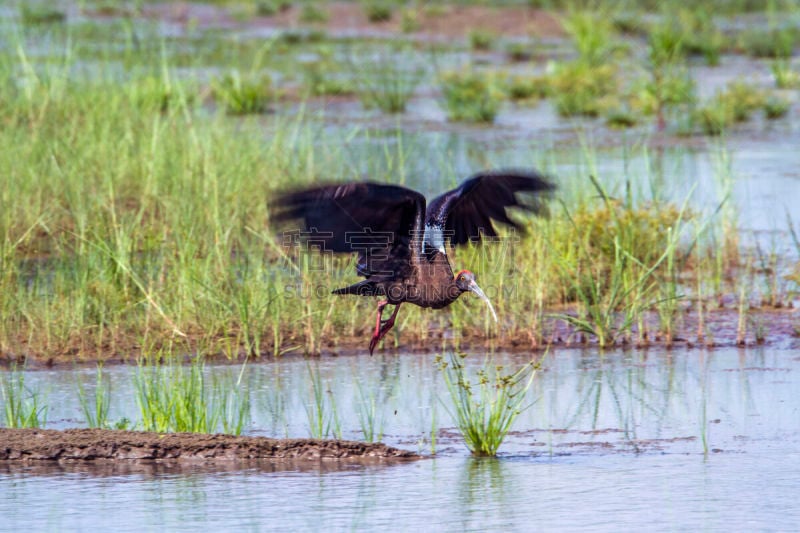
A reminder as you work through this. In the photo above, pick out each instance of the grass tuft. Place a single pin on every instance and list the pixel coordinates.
(378, 10)
(482, 40)
(470, 96)
(23, 407)
(323, 417)
(579, 88)
(313, 13)
(243, 94)
(96, 409)
(386, 84)
(175, 398)
(33, 13)
(486, 406)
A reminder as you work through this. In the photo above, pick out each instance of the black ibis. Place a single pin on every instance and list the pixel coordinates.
(401, 243)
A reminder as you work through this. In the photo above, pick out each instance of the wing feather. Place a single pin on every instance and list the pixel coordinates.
(467, 212)
(376, 220)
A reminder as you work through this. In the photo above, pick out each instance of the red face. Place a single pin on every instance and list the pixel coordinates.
(463, 279)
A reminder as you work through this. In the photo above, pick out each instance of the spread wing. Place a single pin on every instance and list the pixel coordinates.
(383, 223)
(466, 213)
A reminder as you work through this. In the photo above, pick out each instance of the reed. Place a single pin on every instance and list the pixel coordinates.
(482, 40)
(96, 407)
(591, 33)
(485, 406)
(470, 96)
(378, 10)
(314, 13)
(370, 415)
(241, 95)
(23, 406)
(135, 221)
(386, 81)
(323, 417)
(582, 88)
(614, 294)
(175, 398)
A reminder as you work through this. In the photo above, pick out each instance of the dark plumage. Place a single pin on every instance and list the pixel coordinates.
(401, 245)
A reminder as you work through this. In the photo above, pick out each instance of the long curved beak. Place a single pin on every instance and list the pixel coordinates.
(477, 290)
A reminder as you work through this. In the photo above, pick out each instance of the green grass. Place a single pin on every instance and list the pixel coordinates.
(388, 83)
(776, 107)
(592, 35)
(243, 94)
(323, 417)
(735, 104)
(579, 88)
(522, 87)
(268, 8)
(136, 221)
(371, 403)
(696, 33)
(176, 398)
(313, 13)
(470, 96)
(785, 76)
(36, 12)
(520, 52)
(486, 405)
(614, 294)
(481, 39)
(23, 407)
(621, 118)
(378, 10)
(327, 77)
(714, 118)
(772, 43)
(409, 20)
(96, 407)
(160, 93)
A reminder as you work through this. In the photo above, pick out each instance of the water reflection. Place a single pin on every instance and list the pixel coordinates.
(483, 487)
(145, 470)
(615, 401)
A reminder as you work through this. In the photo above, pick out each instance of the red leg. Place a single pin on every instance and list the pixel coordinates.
(377, 335)
(382, 327)
(389, 324)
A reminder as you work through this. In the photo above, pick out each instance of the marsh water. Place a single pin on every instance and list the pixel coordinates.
(664, 440)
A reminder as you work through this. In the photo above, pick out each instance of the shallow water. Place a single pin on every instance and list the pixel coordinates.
(691, 439)
(629, 440)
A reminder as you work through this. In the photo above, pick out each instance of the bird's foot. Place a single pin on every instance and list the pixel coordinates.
(386, 325)
(382, 327)
(373, 343)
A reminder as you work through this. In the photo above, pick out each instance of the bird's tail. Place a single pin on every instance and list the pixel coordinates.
(362, 288)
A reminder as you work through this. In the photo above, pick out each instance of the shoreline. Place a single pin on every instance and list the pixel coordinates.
(781, 329)
(37, 446)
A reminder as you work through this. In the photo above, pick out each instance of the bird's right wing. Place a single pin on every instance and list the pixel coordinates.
(466, 213)
(381, 222)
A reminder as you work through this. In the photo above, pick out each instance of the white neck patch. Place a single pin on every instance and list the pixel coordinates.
(434, 237)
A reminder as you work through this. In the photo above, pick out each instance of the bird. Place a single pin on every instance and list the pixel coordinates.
(401, 240)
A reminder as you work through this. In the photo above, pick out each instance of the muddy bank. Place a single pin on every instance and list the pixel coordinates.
(717, 328)
(349, 19)
(47, 445)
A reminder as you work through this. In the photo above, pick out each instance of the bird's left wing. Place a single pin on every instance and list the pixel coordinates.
(465, 214)
(357, 216)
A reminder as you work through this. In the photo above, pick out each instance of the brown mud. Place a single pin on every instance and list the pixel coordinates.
(77, 445)
(349, 19)
(767, 326)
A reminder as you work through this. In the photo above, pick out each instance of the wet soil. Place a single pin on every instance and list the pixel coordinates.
(349, 19)
(718, 328)
(47, 445)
